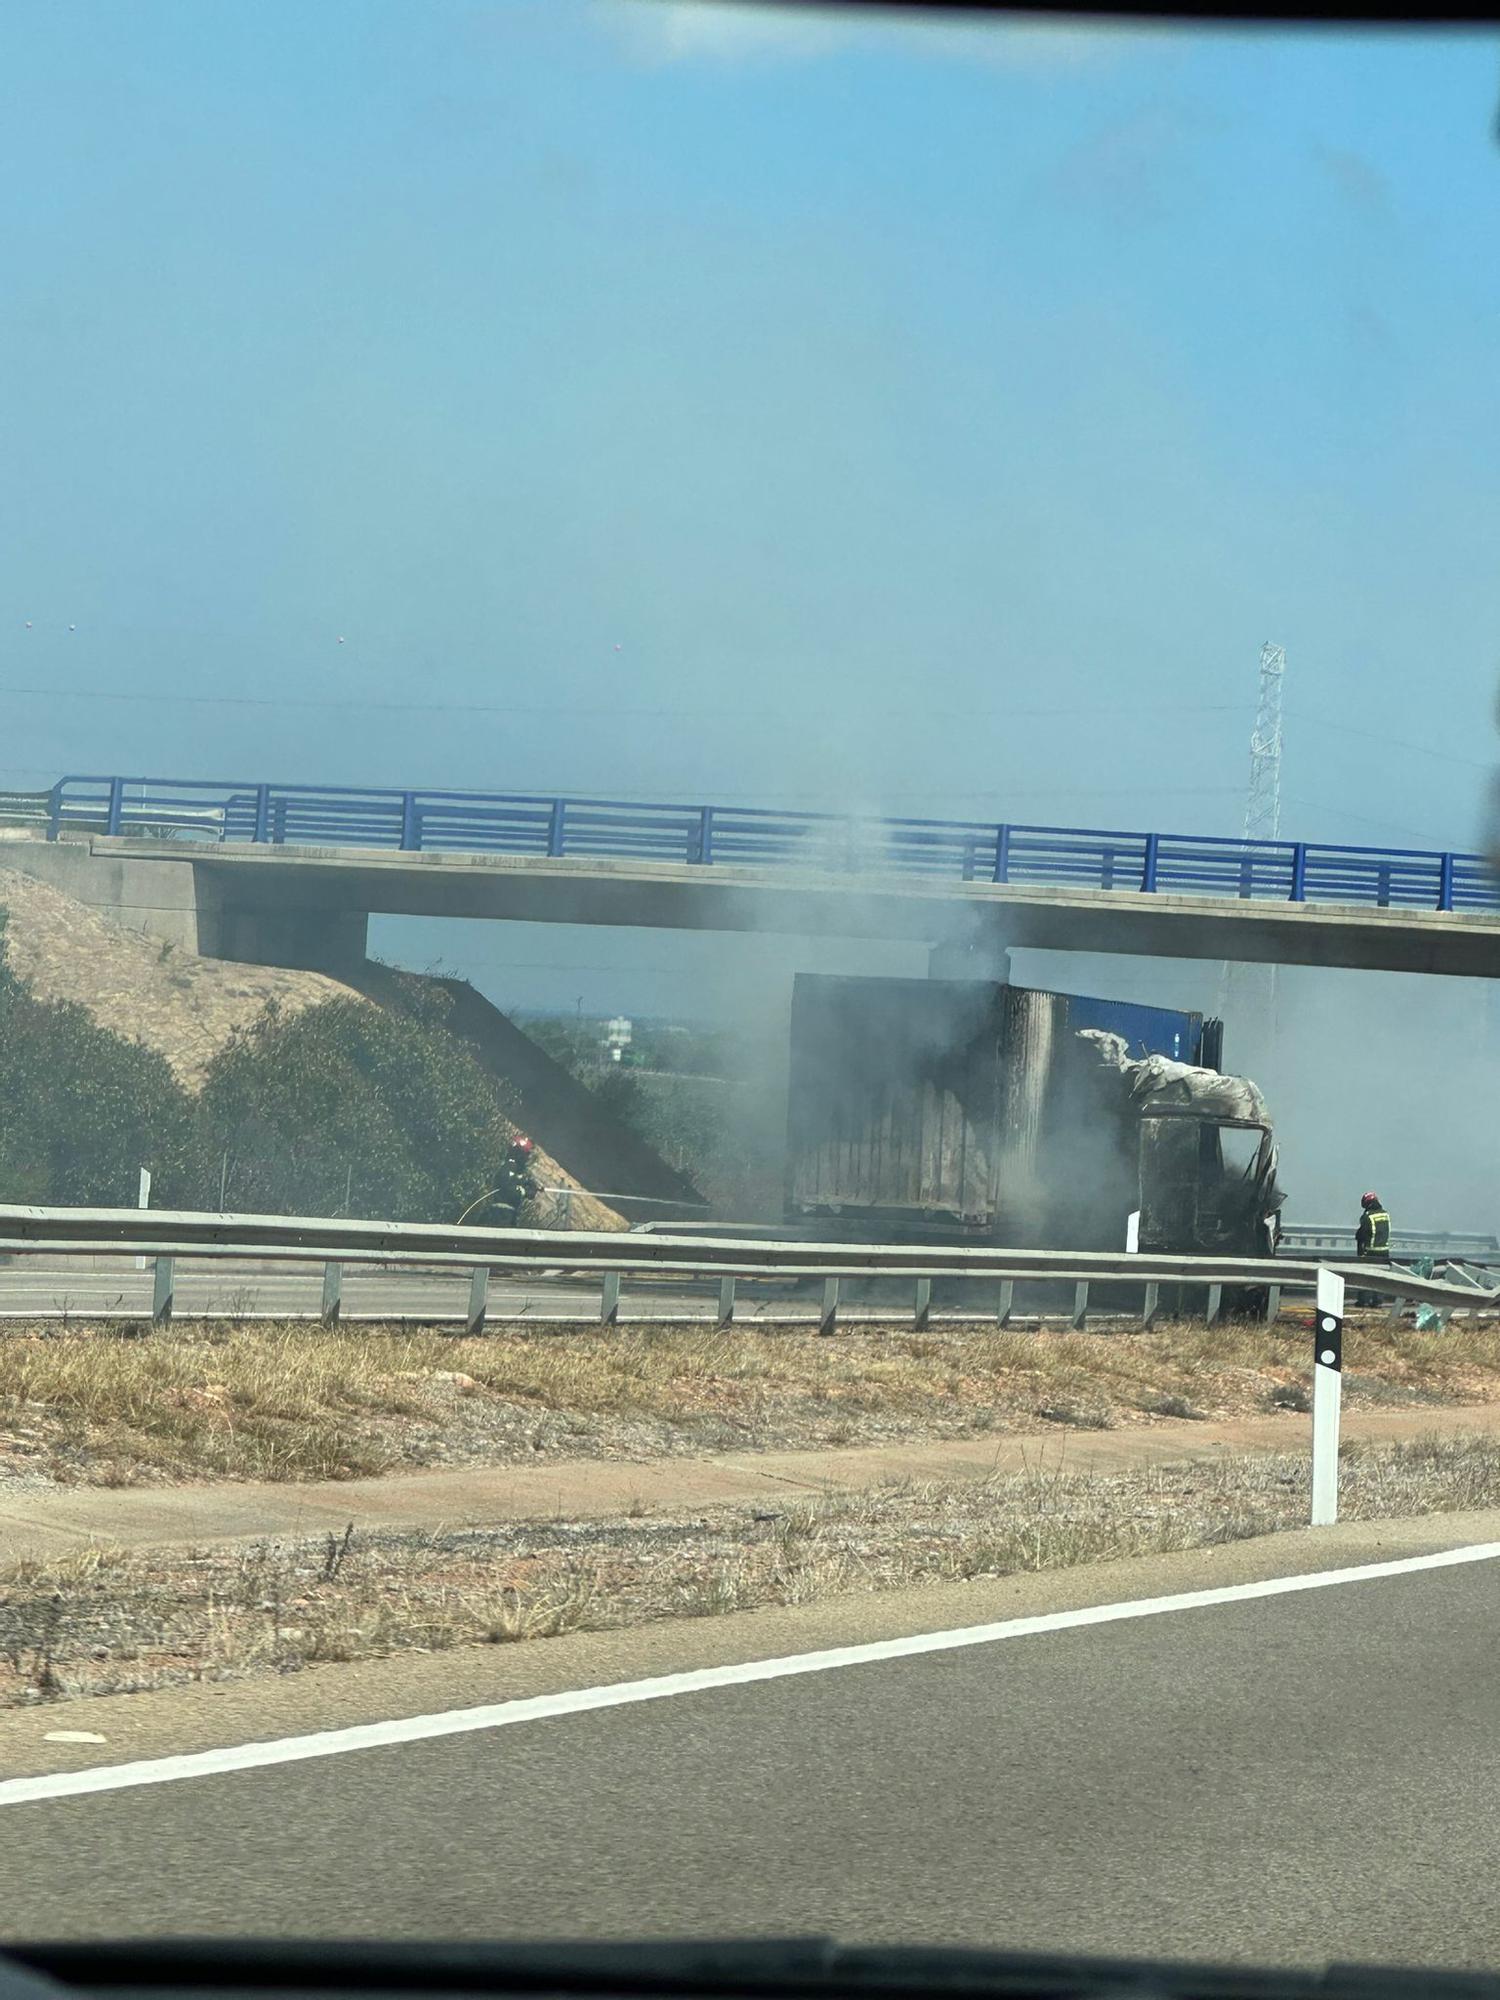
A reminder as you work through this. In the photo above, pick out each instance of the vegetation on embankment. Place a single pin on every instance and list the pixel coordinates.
(109, 1621)
(343, 1107)
(294, 1401)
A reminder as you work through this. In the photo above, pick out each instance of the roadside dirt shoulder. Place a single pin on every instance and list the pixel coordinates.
(107, 1619)
(44, 1523)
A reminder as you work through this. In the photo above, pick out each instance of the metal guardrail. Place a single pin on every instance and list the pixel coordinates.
(165, 1236)
(1454, 1244)
(521, 823)
(26, 808)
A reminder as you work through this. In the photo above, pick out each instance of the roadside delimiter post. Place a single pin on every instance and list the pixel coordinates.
(1328, 1377)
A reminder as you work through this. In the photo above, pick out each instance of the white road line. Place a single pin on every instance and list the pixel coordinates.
(623, 1694)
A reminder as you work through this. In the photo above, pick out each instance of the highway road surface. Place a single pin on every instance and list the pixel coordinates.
(1294, 1776)
(253, 1292)
(246, 1290)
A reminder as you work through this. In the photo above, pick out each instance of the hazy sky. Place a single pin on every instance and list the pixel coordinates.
(680, 401)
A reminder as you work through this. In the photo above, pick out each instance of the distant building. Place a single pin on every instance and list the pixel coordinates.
(617, 1035)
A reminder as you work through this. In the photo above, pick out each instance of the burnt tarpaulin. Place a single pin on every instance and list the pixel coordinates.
(1155, 1083)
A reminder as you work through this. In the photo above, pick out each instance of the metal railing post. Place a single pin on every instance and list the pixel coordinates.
(923, 1305)
(1148, 868)
(1215, 1305)
(1007, 1301)
(162, 1289)
(333, 1292)
(726, 1301)
(609, 1299)
(54, 812)
(1273, 1304)
(479, 1298)
(1080, 1303)
(1150, 1304)
(1299, 873)
(262, 833)
(411, 824)
(828, 1319)
(556, 826)
(116, 812)
(1328, 1376)
(1002, 854)
(702, 842)
(1445, 883)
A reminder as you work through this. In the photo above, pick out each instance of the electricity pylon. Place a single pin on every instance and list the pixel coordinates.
(1254, 986)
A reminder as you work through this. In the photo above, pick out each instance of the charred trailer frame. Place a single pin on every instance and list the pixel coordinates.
(964, 1109)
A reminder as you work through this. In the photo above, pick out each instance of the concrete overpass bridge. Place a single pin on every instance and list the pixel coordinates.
(290, 874)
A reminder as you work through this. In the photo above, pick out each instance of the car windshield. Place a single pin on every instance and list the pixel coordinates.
(748, 977)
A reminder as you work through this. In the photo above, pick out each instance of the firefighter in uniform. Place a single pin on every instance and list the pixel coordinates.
(517, 1184)
(1372, 1239)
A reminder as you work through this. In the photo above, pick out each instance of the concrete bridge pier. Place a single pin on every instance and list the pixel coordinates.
(332, 941)
(186, 904)
(159, 898)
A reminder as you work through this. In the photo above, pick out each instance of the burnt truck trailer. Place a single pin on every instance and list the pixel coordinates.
(970, 1111)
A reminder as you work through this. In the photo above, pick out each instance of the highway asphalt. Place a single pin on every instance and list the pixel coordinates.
(387, 1294)
(1291, 1778)
(236, 1289)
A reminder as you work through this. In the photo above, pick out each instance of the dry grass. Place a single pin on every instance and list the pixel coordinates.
(101, 1622)
(298, 1402)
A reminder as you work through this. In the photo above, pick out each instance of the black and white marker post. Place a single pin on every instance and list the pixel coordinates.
(1328, 1379)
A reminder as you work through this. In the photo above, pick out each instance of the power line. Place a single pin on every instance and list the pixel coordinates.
(1074, 711)
(1388, 741)
(604, 706)
(1363, 819)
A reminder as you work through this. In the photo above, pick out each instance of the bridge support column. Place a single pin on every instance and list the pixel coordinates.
(332, 941)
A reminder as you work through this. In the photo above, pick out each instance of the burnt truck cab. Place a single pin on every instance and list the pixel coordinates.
(1206, 1157)
(1207, 1184)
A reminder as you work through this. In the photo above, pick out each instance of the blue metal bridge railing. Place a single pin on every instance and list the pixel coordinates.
(580, 828)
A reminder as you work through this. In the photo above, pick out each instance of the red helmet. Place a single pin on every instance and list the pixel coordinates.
(1369, 1201)
(521, 1144)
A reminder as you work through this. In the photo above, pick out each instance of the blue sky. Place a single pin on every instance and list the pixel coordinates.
(735, 404)
(687, 401)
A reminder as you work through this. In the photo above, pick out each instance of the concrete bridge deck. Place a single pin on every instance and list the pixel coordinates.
(309, 905)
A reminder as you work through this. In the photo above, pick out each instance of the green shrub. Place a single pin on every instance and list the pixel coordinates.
(392, 1110)
(387, 1110)
(81, 1110)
